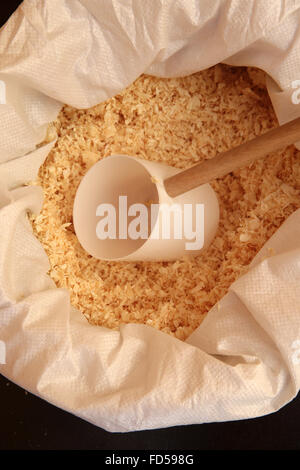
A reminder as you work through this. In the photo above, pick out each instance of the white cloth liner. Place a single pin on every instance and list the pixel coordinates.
(244, 359)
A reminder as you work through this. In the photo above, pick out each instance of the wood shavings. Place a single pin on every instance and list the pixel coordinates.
(179, 122)
(154, 180)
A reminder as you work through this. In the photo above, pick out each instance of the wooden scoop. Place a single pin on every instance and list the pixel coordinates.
(233, 159)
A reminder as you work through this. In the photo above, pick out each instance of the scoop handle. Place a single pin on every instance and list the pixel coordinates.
(233, 159)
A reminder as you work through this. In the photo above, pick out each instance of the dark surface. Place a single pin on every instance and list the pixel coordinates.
(28, 422)
(7, 8)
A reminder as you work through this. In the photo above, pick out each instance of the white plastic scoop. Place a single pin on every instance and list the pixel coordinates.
(113, 217)
(113, 178)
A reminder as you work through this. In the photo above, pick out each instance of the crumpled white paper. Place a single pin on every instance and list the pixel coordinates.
(244, 359)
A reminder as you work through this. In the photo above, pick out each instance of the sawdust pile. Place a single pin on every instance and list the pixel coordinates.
(179, 122)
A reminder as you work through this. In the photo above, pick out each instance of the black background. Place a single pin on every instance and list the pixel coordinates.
(27, 422)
